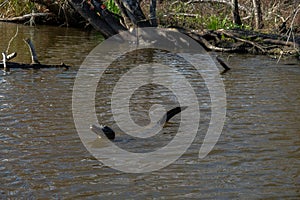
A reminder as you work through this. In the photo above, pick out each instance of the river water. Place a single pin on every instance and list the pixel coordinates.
(42, 156)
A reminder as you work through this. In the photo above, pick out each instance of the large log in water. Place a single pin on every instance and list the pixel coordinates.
(11, 65)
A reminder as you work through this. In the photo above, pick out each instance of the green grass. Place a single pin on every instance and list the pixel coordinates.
(215, 22)
(219, 22)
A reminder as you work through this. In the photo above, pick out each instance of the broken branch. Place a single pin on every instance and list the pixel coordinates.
(26, 17)
(34, 59)
(5, 69)
(222, 62)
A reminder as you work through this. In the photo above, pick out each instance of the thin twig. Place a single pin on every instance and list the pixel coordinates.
(291, 31)
(185, 14)
(243, 8)
(3, 3)
(10, 41)
(292, 24)
(31, 21)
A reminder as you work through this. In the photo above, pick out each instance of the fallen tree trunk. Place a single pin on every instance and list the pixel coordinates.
(14, 65)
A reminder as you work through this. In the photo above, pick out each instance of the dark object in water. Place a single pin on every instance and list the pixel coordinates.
(223, 64)
(12, 65)
(110, 134)
(171, 113)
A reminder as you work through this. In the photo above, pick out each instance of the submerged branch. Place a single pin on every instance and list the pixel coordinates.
(34, 59)
(222, 63)
(14, 65)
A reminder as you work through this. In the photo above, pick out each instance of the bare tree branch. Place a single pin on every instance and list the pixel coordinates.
(243, 8)
(34, 58)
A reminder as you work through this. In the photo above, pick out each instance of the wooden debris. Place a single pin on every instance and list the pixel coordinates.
(14, 65)
(34, 59)
(222, 62)
(26, 17)
(35, 64)
(11, 56)
(5, 69)
(245, 41)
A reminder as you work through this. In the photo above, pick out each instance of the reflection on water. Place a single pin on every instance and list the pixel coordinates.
(42, 156)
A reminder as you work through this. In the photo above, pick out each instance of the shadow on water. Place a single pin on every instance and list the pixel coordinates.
(42, 156)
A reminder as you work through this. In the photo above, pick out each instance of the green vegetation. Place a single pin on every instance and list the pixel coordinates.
(16, 8)
(193, 17)
(215, 22)
(222, 22)
(214, 15)
(187, 14)
(111, 6)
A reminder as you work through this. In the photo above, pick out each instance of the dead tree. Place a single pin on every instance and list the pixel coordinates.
(257, 14)
(109, 23)
(153, 13)
(235, 13)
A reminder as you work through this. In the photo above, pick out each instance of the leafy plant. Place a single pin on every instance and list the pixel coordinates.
(218, 22)
(215, 22)
(111, 6)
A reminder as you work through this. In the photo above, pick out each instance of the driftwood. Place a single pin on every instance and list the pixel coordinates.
(243, 41)
(223, 64)
(35, 64)
(254, 44)
(13, 65)
(26, 17)
(207, 45)
(34, 59)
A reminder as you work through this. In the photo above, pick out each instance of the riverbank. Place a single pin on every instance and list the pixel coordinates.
(279, 36)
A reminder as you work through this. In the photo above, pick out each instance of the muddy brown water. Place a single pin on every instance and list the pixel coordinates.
(42, 156)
